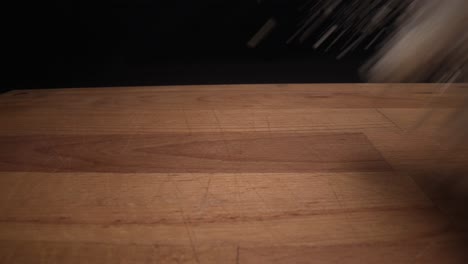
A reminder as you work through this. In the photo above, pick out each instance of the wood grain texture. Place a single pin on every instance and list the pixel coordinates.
(203, 197)
(183, 152)
(224, 174)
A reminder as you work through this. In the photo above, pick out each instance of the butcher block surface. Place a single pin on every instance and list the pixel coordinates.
(323, 173)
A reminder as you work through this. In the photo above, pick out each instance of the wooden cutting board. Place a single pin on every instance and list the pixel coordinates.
(222, 174)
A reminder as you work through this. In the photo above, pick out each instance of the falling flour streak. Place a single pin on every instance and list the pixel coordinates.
(397, 32)
(325, 36)
(264, 31)
(351, 47)
(335, 40)
(374, 39)
(355, 22)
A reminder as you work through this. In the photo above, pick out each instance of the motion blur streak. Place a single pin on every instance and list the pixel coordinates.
(430, 42)
(413, 41)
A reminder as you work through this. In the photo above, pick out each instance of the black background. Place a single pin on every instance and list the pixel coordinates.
(143, 42)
